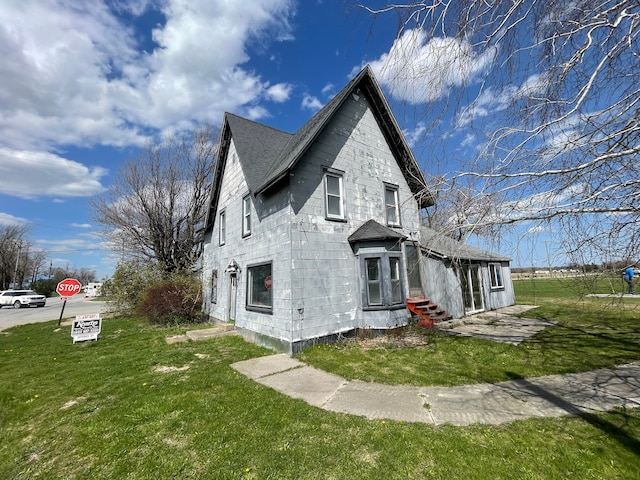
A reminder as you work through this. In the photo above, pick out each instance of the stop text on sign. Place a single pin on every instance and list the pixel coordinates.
(68, 287)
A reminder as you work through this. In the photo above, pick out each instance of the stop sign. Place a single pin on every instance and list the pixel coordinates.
(68, 287)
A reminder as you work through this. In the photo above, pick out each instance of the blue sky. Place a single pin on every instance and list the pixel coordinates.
(85, 84)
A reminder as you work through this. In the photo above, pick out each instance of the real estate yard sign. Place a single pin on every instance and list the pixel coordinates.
(86, 327)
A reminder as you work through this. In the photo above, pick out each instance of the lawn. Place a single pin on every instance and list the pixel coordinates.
(132, 406)
(590, 333)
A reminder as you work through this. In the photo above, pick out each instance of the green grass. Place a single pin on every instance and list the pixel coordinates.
(570, 288)
(590, 333)
(131, 406)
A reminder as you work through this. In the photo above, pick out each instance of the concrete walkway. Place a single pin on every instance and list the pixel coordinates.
(500, 325)
(503, 402)
(549, 396)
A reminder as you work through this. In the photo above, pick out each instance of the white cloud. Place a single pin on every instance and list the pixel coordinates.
(279, 93)
(416, 135)
(328, 90)
(469, 140)
(81, 225)
(74, 74)
(29, 175)
(536, 229)
(256, 112)
(420, 69)
(538, 204)
(492, 101)
(310, 102)
(8, 219)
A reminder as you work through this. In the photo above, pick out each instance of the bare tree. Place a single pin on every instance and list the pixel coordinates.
(14, 246)
(553, 90)
(156, 206)
(34, 266)
(85, 275)
(458, 210)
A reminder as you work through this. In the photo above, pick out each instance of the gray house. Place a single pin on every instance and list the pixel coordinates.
(318, 233)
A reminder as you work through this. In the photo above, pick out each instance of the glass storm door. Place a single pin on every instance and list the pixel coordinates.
(471, 289)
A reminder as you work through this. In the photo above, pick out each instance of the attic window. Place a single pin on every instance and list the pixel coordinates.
(246, 216)
(222, 232)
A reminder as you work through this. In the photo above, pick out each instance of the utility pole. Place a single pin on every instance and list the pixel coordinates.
(15, 272)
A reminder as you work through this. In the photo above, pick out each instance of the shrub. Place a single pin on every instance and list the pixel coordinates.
(45, 287)
(173, 301)
(129, 282)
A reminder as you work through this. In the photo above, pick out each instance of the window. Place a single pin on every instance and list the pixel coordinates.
(222, 233)
(391, 205)
(334, 196)
(495, 272)
(383, 278)
(394, 276)
(246, 216)
(214, 286)
(259, 283)
(374, 283)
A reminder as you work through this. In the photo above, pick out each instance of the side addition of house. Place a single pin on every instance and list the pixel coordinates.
(315, 234)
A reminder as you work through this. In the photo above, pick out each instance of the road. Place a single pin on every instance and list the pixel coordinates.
(10, 317)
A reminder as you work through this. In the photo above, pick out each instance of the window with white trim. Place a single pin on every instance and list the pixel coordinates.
(259, 284)
(334, 196)
(495, 274)
(383, 281)
(222, 231)
(246, 216)
(392, 206)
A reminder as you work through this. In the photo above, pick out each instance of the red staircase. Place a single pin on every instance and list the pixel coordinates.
(428, 313)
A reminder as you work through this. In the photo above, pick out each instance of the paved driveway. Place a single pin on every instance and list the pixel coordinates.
(10, 317)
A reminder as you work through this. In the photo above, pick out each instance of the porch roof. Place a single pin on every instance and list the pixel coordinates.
(440, 245)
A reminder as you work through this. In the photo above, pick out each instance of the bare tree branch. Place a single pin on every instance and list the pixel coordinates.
(156, 207)
(557, 109)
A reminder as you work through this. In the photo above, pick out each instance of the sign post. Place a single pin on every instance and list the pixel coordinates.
(67, 288)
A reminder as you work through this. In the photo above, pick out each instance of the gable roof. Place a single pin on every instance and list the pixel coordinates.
(268, 155)
(258, 147)
(300, 142)
(446, 247)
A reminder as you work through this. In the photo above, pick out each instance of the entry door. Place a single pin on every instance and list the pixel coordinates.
(231, 297)
(472, 289)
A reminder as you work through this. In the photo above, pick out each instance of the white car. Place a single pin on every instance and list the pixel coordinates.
(21, 298)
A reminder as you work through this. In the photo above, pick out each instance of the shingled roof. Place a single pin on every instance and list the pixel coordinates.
(372, 230)
(268, 155)
(300, 142)
(446, 247)
(258, 146)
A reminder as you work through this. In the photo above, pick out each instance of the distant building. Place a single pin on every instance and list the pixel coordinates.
(92, 289)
